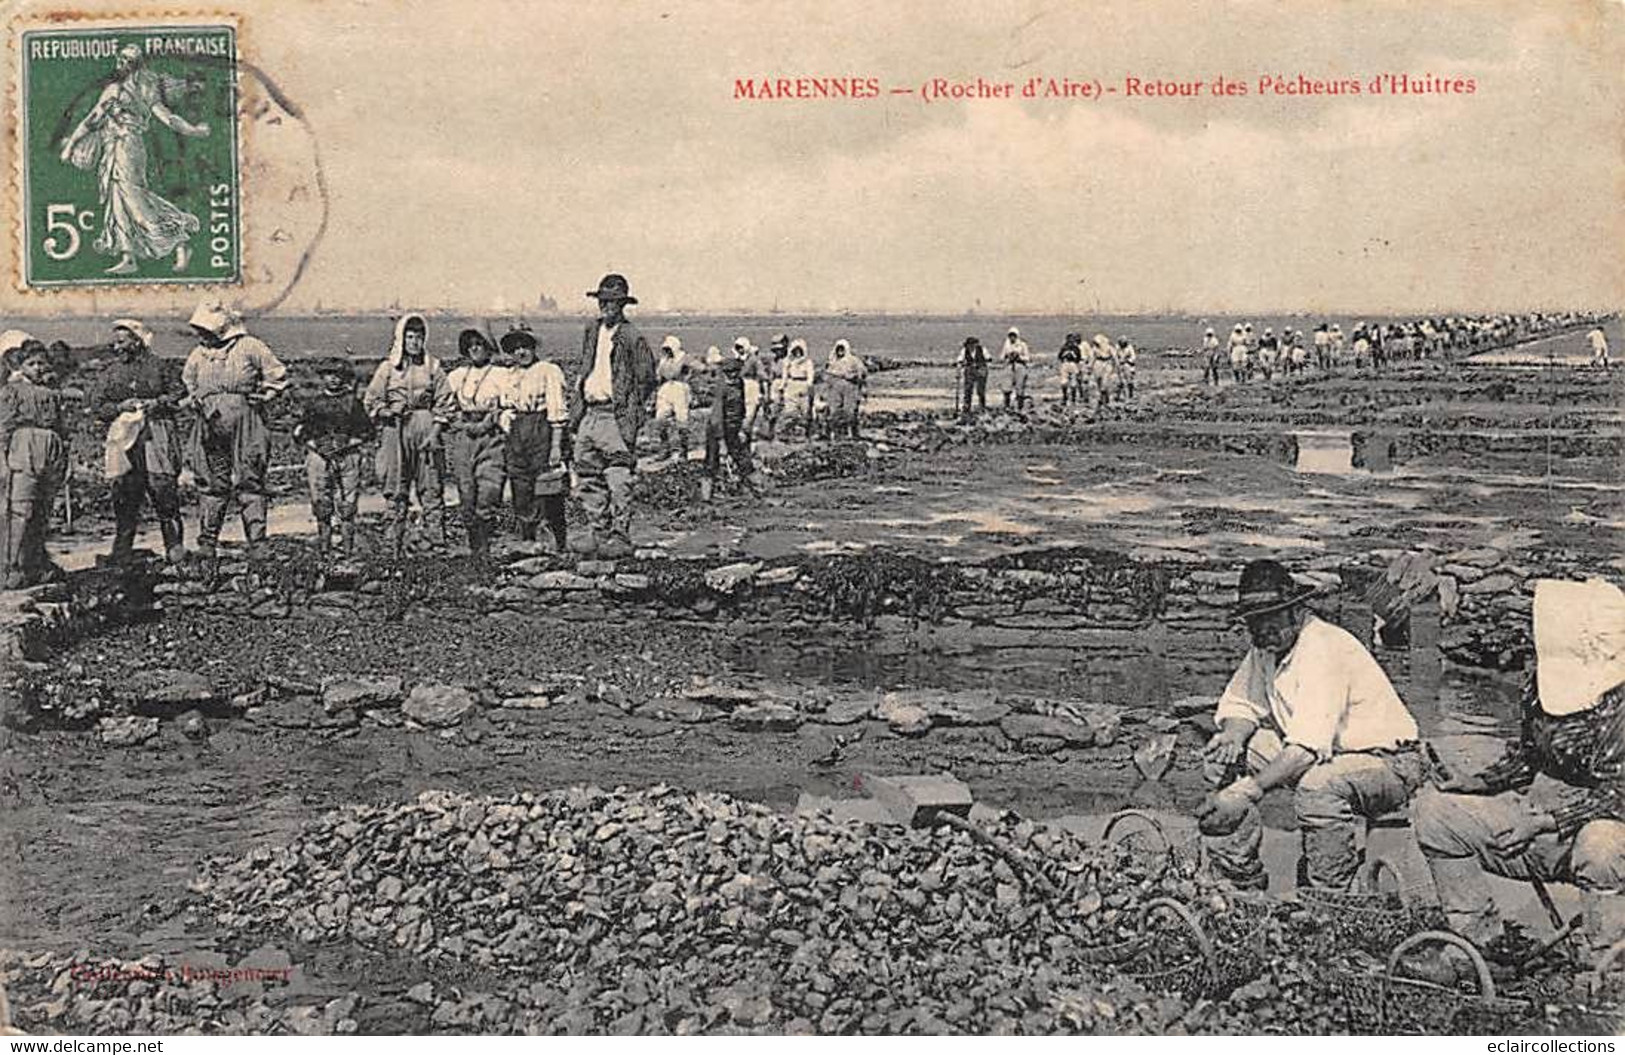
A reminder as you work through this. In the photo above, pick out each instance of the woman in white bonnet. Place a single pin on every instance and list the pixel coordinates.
(1554, 807)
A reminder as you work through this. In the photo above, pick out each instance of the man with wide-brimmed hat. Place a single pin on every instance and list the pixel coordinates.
(229, 376)
(617, 379)
(1308, 709)
(136, 396)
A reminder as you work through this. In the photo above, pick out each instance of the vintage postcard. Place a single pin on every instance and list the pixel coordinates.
(834, 519)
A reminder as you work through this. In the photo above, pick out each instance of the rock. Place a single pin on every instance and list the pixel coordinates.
(847, 710)
(193, 727)
(1024, 727)
(1153, 757)
(1449, 596)
(1186, 706)
(167, 691)
(1490, 584)
(345, 694)
(126, 731)
(905, 718)
(915, 800)
(732, 578)
(422, 993)
(438, 705)
(772, 577)
(971, 708)
(561, 580)
(674, 709)
(595, 568)
(633, 583)
(768, 717)
(527, 703)
(1464, 573)
(1477, 558)
(244, 702)
(720, 695)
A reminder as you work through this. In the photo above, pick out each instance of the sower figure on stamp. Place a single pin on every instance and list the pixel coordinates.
(334, 428)
(537, 419)
(229, 376)
(34, 441)
(1309, 709)
(475, 446)
(136, 396)
(1553, 807)
(136, 222)
(618, 377)
(411, 401)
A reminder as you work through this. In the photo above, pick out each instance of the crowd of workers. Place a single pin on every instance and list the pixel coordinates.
(1246, 355)
(503, 420)
(1309, 710)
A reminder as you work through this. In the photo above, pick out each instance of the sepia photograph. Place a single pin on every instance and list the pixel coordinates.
(704, 518)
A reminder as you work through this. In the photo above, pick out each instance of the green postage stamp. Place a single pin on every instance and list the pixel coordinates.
(129, 156)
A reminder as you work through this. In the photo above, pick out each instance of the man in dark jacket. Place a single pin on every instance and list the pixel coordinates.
(136, 397)
(616, 381)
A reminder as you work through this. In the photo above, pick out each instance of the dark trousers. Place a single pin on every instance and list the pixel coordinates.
(130, 490)
(538, 488)
(732, 433)
(975, 384)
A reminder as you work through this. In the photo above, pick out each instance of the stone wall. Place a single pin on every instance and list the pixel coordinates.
(1088, 625)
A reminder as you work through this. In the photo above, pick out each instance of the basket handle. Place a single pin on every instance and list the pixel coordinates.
(1187, 917)
(1371, 875)
(1140, 815)
(1486, 984)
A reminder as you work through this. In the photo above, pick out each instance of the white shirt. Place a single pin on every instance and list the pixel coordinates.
(600, 385)
(478, 387)
(534, 389)
(1328, 696)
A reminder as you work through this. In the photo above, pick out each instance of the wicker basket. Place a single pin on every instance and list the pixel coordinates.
(1150, 845)
(1217, 968)
(1368, 917)
(1385, 1005)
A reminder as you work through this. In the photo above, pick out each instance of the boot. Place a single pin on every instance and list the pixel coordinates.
(1007, 398)
(324, 542)
(123, 542)
(347, 540)
(174, 534)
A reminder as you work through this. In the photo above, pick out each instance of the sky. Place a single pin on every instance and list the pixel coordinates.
(477, 155)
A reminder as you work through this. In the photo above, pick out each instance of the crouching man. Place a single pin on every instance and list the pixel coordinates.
(1554, 807)
(1309, 709)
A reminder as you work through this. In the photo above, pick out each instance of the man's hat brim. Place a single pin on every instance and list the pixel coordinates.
(1245, 610)
(612, 294)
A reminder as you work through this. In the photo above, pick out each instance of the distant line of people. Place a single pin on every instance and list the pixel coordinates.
(1092, 374)
(1247, 356)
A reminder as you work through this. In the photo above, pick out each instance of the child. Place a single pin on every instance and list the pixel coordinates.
(34, 441)
(726, 425)
(334, 427)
